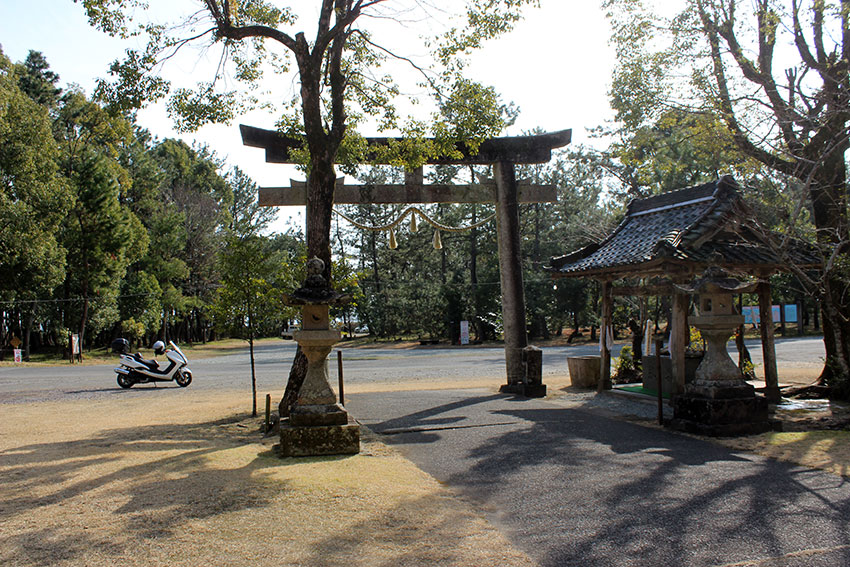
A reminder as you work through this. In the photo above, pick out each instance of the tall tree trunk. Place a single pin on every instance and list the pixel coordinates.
(829, 207)
(28, 333)
(293, 385)
(83, 320)
(323, 145)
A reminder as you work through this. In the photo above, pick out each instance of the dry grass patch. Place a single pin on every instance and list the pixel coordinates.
(826, 450)
(181, 481)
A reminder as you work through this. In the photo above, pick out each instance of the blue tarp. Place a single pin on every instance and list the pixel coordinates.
(751, 314)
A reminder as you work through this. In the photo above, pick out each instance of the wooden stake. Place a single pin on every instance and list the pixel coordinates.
(339, 373)
(268, 413)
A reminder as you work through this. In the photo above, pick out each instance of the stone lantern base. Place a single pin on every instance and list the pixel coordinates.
(718, 411)
(319, 430)
(319, 440)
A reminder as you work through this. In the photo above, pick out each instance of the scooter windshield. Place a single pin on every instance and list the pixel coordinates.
(176, 349)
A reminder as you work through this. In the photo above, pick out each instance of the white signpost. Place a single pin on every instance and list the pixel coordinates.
(464, 332)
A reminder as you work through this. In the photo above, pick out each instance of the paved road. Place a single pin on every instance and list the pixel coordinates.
(383, 365)
(572, 486)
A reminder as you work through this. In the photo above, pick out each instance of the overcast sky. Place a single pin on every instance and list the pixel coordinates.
(555, 66)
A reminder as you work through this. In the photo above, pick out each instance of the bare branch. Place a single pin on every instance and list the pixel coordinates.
(800, 39)
(421, 70)
(738, 135)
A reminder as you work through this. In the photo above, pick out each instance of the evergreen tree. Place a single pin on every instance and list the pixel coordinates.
(38, 82)
(252, 272)
(33, 201)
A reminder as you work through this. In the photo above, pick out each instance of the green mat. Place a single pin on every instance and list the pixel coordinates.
(644, 391)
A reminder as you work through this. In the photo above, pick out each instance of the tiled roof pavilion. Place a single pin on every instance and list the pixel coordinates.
(675, 236)
(681, 233)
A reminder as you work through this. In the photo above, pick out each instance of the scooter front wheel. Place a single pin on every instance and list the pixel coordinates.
(183, 378)
(125, 381)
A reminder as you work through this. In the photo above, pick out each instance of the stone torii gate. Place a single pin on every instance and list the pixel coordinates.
(505, 191)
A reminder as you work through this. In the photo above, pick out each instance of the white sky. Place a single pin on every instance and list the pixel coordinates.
(555, 66)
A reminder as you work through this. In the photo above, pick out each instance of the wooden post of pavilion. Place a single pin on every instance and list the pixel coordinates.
(604, 382)
(768, 346)
(678, 341)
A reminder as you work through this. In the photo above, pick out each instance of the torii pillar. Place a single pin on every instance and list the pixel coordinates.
(510, 275)
(506, 192)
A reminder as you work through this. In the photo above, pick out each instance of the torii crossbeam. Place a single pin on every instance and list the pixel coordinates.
(504, 191)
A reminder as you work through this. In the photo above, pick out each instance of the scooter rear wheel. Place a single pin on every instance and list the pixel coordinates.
(183, 378)
(125, 381)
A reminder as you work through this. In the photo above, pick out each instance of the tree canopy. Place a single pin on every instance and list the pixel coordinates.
(775, 74)
(338, 67)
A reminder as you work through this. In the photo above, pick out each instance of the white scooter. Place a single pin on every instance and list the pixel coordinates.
(136, 370)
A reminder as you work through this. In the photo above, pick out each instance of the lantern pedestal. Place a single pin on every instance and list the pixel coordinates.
(719, 402)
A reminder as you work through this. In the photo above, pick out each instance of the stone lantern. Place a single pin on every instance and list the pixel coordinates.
(318, 424)
(719, 401)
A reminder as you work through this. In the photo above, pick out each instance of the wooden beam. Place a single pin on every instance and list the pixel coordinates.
(515, 149)
(397, 194)
(642, 290)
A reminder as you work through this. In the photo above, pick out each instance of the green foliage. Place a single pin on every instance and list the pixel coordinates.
(101, 237)
(140, 299)
(680, 149)
(107, 231)
(485, 20)
(132, 330)
(38, 82)
(135, 84)
(343, 72)
(626, 368)
(415, 290)
(33, 196)
(192, 108)
(254, 269)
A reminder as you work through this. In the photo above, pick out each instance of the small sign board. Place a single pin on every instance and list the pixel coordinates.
(18, 357)
(15, 342)
(751, 314)
(464, 332)
(76, 348)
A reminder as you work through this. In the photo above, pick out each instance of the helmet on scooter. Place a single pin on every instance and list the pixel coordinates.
(158, 347)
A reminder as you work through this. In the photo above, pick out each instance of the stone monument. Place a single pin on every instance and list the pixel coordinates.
(719, 401)
(318, 424)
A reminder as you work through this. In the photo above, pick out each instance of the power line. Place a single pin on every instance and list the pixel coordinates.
(75, 299)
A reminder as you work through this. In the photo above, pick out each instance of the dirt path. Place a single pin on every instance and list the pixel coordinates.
(86, 484)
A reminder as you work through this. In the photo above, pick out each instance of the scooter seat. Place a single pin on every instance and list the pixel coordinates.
(152, 364)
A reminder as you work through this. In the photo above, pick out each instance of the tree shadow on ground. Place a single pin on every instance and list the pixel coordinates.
(138, 496)
(575, 487)
(631, 495)
(438, 529)
(138, 483)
